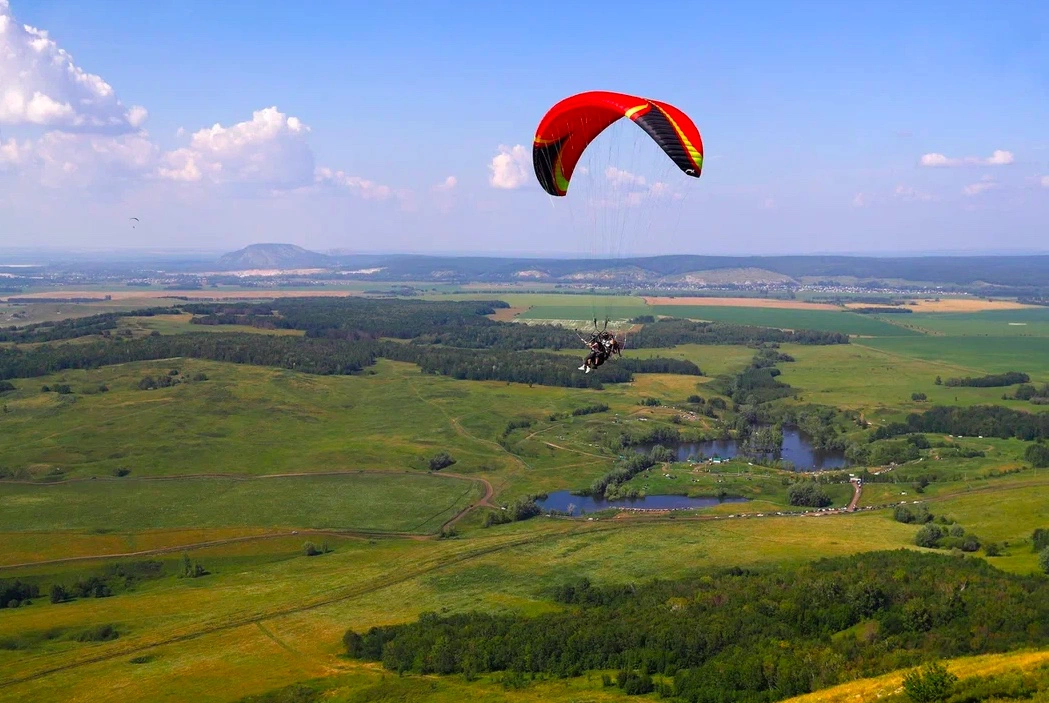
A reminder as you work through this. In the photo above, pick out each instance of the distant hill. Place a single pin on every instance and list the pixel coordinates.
(274, 256)
(1000, 275)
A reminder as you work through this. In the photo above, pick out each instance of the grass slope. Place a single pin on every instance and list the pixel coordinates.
(397, 503)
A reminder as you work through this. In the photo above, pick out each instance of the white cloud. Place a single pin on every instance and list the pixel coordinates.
(447, 184)
(510, 167)
(910, 194)
(355, 184)
(769, 204)
(93, 140)
(859, 200)
(620, 177)
(270, 149)
(12, 153)
(986, 183)
(1045, 181)
(41, 85)
(977, 188)
(998, 158)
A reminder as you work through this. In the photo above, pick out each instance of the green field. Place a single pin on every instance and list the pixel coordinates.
(986, 354)
(392, 503)
(1028, 322)
(205, 459)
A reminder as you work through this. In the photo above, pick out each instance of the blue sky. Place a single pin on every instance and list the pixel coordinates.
(816, 117)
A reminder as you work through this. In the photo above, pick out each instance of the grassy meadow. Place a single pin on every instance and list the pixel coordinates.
(228, 468)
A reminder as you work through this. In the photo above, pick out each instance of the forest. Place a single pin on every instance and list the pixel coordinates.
(737, 634)
(329, 356)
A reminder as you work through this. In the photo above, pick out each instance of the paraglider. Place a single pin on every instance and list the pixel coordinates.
(571, 125)
(565, 133)
(134, 219)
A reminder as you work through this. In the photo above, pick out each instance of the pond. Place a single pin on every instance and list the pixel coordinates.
(797, 449)
(561, 500)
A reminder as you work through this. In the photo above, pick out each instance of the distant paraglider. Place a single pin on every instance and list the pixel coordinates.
(133, 220)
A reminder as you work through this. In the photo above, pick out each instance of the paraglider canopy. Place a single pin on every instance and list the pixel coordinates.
(572, 124)
(135, 219)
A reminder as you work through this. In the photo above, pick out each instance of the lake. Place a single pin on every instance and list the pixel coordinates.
(560, 500)
(796, 449)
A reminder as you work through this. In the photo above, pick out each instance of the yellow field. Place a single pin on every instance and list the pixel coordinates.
(742, 303)
(508, 314)
(955, 305)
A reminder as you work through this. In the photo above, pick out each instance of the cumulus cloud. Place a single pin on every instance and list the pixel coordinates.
(1045, 181)
(447, 184)
(769, 204)
(270, 150)
(510, 167)
(911, 195)
(41, 85)
(92, 139)
(859, 200)
(998, 158)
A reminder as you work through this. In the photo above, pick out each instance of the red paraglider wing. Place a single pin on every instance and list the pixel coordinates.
(568, 128)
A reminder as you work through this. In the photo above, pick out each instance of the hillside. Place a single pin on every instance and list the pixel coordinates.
(273, 256)
(999, 275)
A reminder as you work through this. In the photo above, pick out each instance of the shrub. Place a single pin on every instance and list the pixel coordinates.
(441, 460)
(932, 683)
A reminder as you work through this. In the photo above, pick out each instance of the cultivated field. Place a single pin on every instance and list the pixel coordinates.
(774, 303)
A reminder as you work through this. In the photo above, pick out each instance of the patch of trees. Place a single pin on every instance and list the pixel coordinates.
(53, 331)
(808, 493)
(740, 635)
(1037, 455)
(973, 421)
(112, 579)
(191, 569)
(884, 452)
(919, 397)
(1037, 396)
(912, 514)
(308, 355)
(611, 485)
(543, 368)
(14, 594)
(523, 508)
(671, 332)
(440, 460)
(1040, 539)
(590, 409)
(312, 550)
(757, 383)
(880, 311)
(1009, 378)
(6, 386)
(935, 536)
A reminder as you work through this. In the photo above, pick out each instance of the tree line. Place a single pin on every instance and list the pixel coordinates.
(974, 421)
(671, 332)
(53, 331)
(465, 324)
(740, 635)
(1010, 378)
(330, 356)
